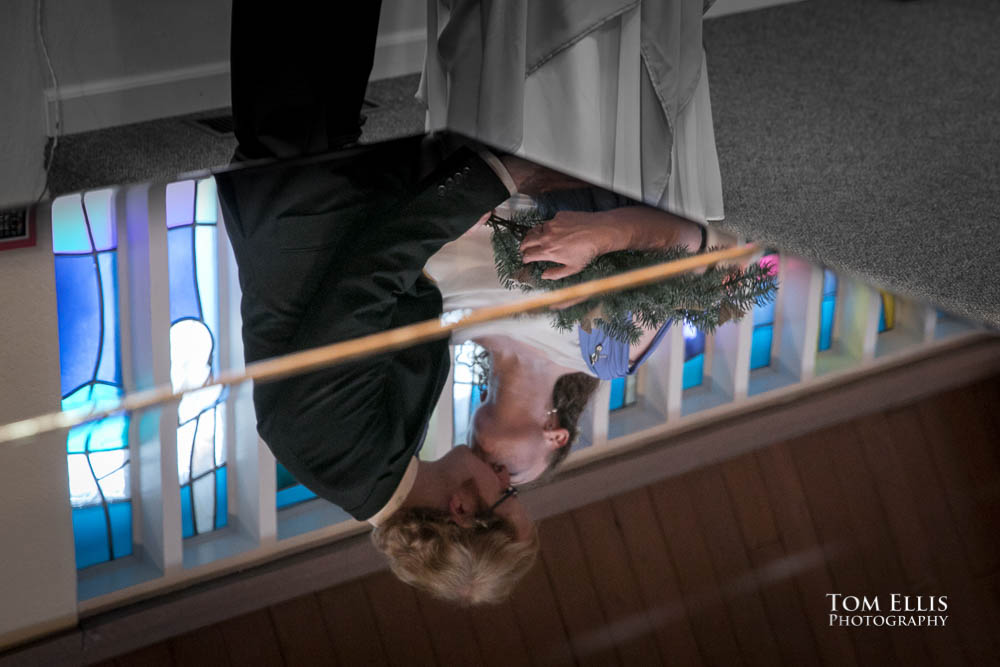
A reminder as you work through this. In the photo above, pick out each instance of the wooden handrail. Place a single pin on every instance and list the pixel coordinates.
(384, 341)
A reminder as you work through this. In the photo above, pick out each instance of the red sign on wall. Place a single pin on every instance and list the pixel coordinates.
(17, 228)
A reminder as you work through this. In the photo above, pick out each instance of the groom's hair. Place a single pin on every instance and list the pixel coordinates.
(570, 396)
(468, 565)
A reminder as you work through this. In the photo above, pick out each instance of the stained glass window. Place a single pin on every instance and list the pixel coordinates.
(624, 392)
(290, 492)
(84, 241)
(828, 309)
(192, 255)
(763, 323)
(694, 356)
(887, 312)
(467, 390)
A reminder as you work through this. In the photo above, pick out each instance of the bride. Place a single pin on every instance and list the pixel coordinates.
(541, 378)
(612, 91)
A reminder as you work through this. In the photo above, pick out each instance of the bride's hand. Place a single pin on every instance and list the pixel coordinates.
(571, 238)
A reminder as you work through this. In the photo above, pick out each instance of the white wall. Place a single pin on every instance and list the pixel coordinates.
(22, 119)
(38, 571)
(122, 61)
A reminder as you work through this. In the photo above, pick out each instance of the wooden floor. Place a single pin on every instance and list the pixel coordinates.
(727, 565)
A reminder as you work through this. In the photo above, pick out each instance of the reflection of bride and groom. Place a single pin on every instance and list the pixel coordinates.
(385, 235)
(541, 377)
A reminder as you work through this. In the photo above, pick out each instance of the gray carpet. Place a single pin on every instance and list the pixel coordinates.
(161, 149)
(865, 134)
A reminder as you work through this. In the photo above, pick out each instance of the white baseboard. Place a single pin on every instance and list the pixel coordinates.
(97, 105)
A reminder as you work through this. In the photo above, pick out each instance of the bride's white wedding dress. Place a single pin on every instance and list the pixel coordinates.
(579, 108)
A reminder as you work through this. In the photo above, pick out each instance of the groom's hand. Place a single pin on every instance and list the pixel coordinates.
(573, 239)
(533, 179)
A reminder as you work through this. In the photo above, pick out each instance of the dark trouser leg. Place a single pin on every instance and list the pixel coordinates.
(299, 73)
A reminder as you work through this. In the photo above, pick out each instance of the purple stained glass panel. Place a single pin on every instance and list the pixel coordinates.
(180, 203)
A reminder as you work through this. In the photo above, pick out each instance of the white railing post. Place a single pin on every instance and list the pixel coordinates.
(251, 477)
(730, 370)
(600, 415)
(802, 284)
(675, 371)
(158, 485)
(860, 320)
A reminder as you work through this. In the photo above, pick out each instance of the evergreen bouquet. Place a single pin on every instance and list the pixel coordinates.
(704, 300)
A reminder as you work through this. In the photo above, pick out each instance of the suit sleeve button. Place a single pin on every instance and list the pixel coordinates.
(441, 190)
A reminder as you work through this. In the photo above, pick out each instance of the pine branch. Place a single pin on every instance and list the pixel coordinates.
(706, 300)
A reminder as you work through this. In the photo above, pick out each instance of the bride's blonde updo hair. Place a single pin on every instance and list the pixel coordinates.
(467, 565)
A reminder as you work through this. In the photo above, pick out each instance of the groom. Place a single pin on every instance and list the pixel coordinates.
(332, 247)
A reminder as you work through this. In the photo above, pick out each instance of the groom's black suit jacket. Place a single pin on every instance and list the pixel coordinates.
(334, 250)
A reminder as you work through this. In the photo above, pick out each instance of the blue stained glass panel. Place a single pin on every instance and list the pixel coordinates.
(90, 527)
(184, 301)
(694, 356)
(694, 372)
(294, 495)
(221, 498)
(69, 227)
(826, 322)
(91, 531)
(78, 309)
(187, 512)
(110, 433)
(617, 394)
(90, 373)
(192, 240)
(760, 346)
(828, 309)
(110, 368)
(98, 395)
(99, 213)
(180, 203)
(829, 282)
(121, 528)
(764, 314)
(290, 492)
(694, 342)
(283, 478)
